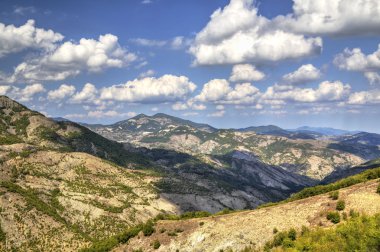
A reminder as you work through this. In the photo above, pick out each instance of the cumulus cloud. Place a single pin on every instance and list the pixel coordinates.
(248, 37)
(87, 95)
(333, 17)
(70, 59)
(246, 72)
(61, 93)
(150, 89)
(304, 74)
(356, 60)
(15, 39)
(220, 91)
(22, 94)
(326, 92)
(364, 97)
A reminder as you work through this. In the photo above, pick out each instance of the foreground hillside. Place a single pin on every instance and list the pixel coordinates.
(256, 229)
(302, 152)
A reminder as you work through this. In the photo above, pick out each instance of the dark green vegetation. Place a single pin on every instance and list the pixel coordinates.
(357, 234)
(334, 217)
(156, 244)
(340, 205)
(33, 200)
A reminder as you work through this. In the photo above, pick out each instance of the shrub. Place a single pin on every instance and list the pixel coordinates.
(378, 189)
(334, 195)
(201, 223)
(2, 235)
(334, 217)
(156, 244)
(292, 234)
(340, 205)
(148, 228)
(275, 230)
(353, 213)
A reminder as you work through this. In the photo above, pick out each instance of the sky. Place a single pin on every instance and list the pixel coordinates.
(231, 63)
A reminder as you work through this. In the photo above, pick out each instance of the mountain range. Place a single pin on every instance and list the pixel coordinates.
(66, 186)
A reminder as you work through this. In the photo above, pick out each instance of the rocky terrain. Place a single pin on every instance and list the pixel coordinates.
(303, 151)
(252, 230)
(64, 187)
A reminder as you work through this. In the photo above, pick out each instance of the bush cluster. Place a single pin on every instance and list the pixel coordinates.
(357, 234)
(334, 217)
(340, 205)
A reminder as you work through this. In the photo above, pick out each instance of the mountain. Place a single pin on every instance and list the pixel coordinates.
(365, 145)
(64, 187)
(304, 153)
(300, 223)
(325, 131)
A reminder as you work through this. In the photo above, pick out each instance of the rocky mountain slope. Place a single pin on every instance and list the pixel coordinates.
(253, 230)
(302, 152)
(64, 187)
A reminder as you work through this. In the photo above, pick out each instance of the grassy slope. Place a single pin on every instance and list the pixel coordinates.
(308, 208)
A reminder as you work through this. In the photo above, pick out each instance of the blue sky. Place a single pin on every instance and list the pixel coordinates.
(227, 63)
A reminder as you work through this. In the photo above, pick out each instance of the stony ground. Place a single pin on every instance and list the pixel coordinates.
(253, 228)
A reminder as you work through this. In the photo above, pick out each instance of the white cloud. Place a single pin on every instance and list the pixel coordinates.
(304, 74)
(179, 106)
(356, 60)
(146, 1)
(214, 90)
(155, 109)
(176, 43)
(246, 72)
(4, 90)
(364, 97)
(372, 77)
(87, 95)
(22, 10)
(220, 91)
(180, 42)
(61, 93)
(333, 17)
(195, 106)
(15, 39)
(109, 113)
(219, 113)
(27, 93)
(70, 59)
(326, 92)
(247, 37)
(150, 89)
(147, 73)
(190, 114)
(149, 42)
(219, 107)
